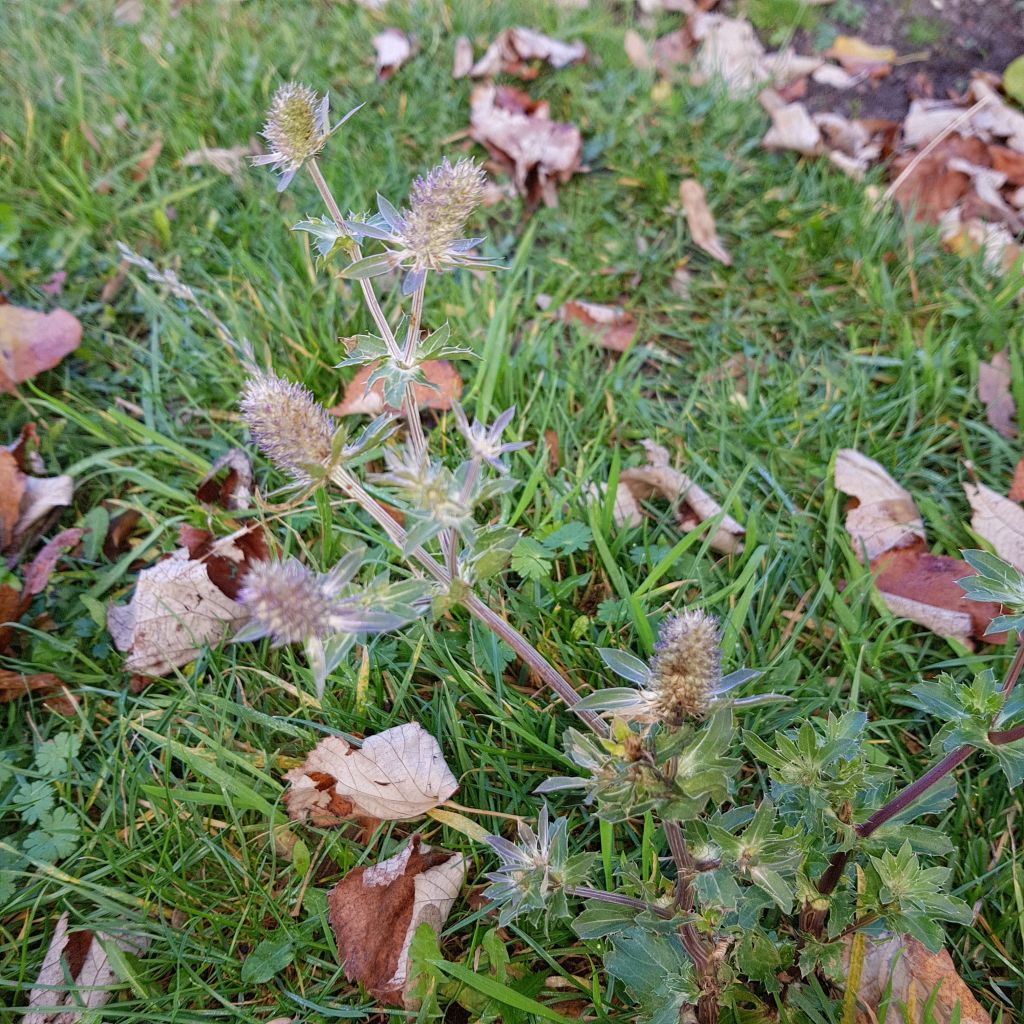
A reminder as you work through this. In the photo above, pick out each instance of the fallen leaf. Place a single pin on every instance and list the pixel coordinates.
(396, 775)
(234, 491)
(128, 12)
(931, 187)
(901, 974)
(792, 128)
(995, 115)
(885, 516)
(519, 134)
(859, 57)
(118, 538)
(611, 326)
(12, 487)
(376, 910)
(31, 342)
(998, 520)
(42, 494)
(692, 503)
(463, 61)
(994, 392)
(227, 559)
(230, 161)
(444, 387)
(1008, 162)
(174, 611)
(1017, 485)
(637, 50)
(14, 685)
(730, 50)
(673, 49)
(81, 956)
(394, 47)
(701, 222)
(514, 48)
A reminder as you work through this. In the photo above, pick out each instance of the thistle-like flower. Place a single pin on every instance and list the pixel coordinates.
(297, 128)
(323, 611)
(485, 442)
(289, 426)
(425, 236)
(687, 667)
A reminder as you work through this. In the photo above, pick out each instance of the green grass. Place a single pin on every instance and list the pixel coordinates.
(856, 331)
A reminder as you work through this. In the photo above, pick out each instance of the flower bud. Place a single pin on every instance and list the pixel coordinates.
(687, 666)
(286, 601)
(288, 424)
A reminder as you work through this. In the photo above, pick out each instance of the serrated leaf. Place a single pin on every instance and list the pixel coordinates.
(531, 559)
(568, 539)
(56, 837)
(655, 969)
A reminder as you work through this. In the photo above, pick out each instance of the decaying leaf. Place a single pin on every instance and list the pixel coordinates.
(227, 559)
(230, 161)
(859, 57)
(147, 161)
(906, 974)
(658, 479)
(885, 516)
(994, 392)
(81, 956)
(519, 134)
(1016, 492)
(58, 698)
(887, 531)
(31, 342)
(637, 50)
(396, 775)
(394, 47)
(514, 49)
(12, 487)
(792, 126)
(998, 520)
(611, 326)
(700, 220)
(731, 51)
(462, 63)
(175, 609)
(234, 491)
(443, 387)
(376, 910)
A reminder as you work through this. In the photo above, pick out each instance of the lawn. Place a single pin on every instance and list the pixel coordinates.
(841, 326)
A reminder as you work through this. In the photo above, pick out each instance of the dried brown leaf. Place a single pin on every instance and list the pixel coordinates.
(693, 504)
(41, 496)
(1016, 492)
(227, 559)
(147, 161)
(885, 516)
(31, 342)
(999, 521)
(793, 128)
(444, 387)
(903, 974)
(637, 50)
(700, 220)
(230, 161)
(12, 487)
(81, 956)
(994, 392)
(859, 57)
(58, 698)
(394, 47)
(611, 326)
(519, 134)
(175, 609)
(396, 775)
(234, 490)
(514, 48)
(376, 910)
(462, 62)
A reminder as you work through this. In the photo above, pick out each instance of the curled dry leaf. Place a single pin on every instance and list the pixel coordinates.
(886, 529)
(610, 326)
(443, 387)
(227, 559)
(396, 775)
(175, 609)
(147, 161)
(998, 520)
(462, 63)
(994, 392)
(81, 956)
(376, 910)
(31, 342)
(792, 127)
(731, 51)
(14, 685)
(394, 47)
(900, 972)
(234, 490)
(514, 49)
(519, 134)
(859, 57)
(693, 504)
(700, 220)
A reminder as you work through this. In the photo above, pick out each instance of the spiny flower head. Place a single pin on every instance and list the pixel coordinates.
(687, 667)
(287, 602)
(485, 442)
(439, 206)
(288, 424)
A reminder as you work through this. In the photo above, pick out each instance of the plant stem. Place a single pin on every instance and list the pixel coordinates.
(1006, 736)
(474, 605)
(586, 893)
(369, 295)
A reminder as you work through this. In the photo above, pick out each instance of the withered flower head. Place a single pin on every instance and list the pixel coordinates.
(687, 666)
(287, 602)
(288, 424)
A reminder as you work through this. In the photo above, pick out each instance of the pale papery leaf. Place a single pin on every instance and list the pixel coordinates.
(376, 910)
(994, 392)
(463, 59)
(701, 222)
(903, 969)
(174, 611)
(886, 516)
(40, 497)
(394, 47)
(611, 327)
(396, 775)
(514, 48)
(31, 342)
(999, 521)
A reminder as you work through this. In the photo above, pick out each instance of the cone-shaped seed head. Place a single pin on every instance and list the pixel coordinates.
(439, 206)
(687, 666)
(289, 602)
(293, 128)
(291, 428)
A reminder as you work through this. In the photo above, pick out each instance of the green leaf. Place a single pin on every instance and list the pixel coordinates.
(600, 920)
(55, 755)
(56, 837)
(270, 957)
(1013, 80)
(369, 266)
(35, 800)
(655, 969)
(531, 559)
(568, 539)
